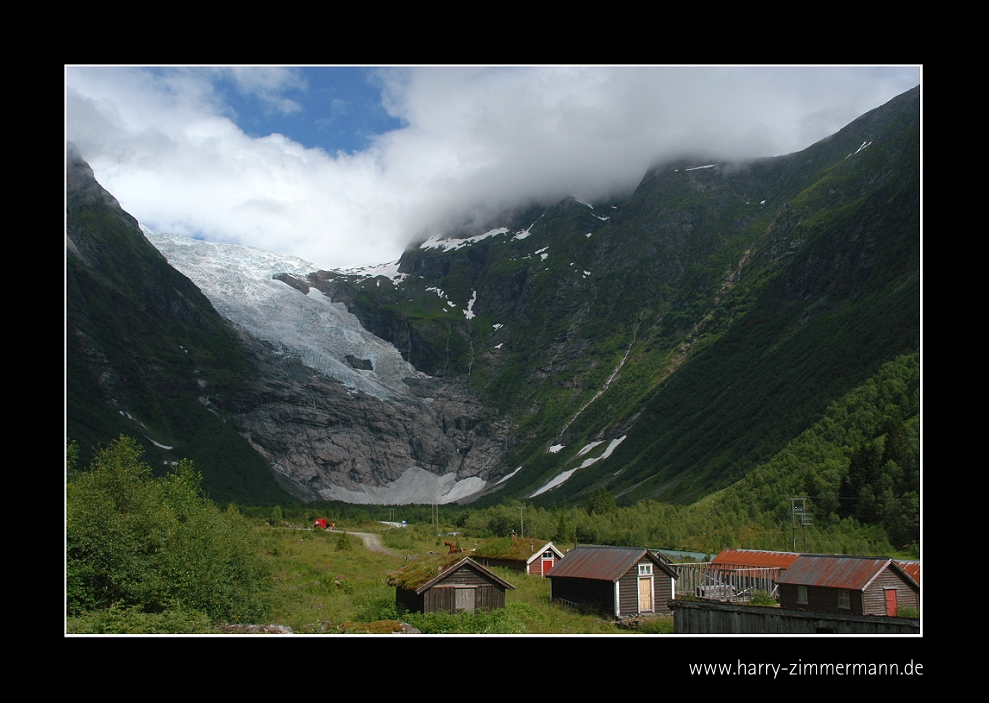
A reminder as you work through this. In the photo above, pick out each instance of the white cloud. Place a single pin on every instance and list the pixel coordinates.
(474, 140)
(268, 83)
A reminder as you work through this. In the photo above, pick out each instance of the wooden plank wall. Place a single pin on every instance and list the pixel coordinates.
(874, 597)
(598, 595)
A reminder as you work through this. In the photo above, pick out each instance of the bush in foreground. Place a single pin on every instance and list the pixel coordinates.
(144, 545)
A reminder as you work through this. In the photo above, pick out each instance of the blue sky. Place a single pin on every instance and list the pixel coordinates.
(346, 166)
(333, 108)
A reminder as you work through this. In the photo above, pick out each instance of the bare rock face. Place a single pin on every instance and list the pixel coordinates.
(337, 413)
(326, 441)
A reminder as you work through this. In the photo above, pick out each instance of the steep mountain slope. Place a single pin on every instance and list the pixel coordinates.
(146, 353)
(338, 413)
(288, 393)
(664, 344)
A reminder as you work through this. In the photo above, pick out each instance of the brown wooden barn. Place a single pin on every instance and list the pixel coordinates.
(533, 556)
(623, 581)
(452, 584)
(838, 583)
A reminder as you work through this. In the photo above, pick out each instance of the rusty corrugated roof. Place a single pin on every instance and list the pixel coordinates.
(601, 563)
(755, 557)
(912, 568)
(836, 570)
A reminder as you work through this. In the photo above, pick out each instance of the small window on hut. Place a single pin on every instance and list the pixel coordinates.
(802, 594)
(844, 599)
(645, 569)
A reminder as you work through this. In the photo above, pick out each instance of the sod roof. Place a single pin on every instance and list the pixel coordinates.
(518, 549)
(417, 575)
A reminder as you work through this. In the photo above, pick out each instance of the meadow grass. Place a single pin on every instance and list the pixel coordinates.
(321, 588)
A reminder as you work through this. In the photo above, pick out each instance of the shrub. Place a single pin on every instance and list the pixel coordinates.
(497, 621)
(763, 598)
(344, 542)
(661, 625)
(134, 620)
(157, 544)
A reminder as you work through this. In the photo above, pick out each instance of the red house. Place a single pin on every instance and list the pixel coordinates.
(533, 556)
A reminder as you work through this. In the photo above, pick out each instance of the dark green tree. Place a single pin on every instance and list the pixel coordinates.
(600, 501)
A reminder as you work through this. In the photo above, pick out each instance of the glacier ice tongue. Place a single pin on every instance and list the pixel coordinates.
(238, 281)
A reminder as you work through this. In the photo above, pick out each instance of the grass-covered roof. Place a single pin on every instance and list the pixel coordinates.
(417, 574)
(519, 548)
(422, 571)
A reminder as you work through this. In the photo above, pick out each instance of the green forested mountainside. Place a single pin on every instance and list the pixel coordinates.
(860, 462)
(858, 466)
(708, 318)
(143, 345)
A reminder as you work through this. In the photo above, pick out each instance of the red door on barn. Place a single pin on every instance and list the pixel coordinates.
(890, 602)
(548, 559)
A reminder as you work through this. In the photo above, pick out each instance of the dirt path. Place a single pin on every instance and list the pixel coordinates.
(371, 541)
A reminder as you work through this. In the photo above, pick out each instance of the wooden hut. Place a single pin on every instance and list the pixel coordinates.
(533, 556)
(623, 581)
(452, 583)
(838, 583)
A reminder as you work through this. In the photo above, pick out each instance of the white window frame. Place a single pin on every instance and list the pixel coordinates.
(645, 569)
(844, 599)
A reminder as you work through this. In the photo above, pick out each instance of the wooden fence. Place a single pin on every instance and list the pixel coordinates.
(734, 619)
(725, 585)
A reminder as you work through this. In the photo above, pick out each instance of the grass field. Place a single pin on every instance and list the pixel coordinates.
(325, 583)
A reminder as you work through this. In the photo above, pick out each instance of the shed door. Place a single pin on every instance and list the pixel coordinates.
(547, 563)
(464, 599)
(891, 602)
(645, 594)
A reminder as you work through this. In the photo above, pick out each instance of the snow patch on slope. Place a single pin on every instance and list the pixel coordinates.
(415, 485)
(469, 312)
(524, 233)
(563, 477)
(389, 270)
(446, 244)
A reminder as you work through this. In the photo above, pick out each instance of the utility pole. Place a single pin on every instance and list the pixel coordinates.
(522, 528)
(798, 507)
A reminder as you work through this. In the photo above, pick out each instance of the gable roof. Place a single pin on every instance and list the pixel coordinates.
(839, 571)
(755, 558)
(423, 575)
(603, 563)
(542, 550)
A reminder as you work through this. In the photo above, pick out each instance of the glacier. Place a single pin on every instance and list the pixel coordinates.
(239, 282)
